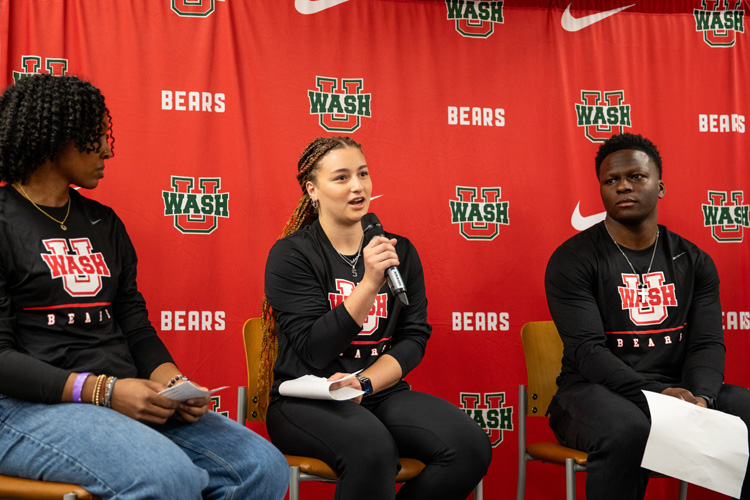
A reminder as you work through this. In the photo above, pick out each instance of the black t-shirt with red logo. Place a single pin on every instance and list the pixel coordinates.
(670, 334)
(68, 298)
(306, 282)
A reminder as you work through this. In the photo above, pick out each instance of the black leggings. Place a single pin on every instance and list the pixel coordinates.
(362, 443)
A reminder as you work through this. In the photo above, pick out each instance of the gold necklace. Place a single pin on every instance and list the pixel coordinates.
(61, 222)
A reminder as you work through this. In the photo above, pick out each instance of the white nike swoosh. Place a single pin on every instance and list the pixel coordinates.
(375, 197)
(579, 222)
(678, 256)
(314, 6)
(572, 24)
(95, 221)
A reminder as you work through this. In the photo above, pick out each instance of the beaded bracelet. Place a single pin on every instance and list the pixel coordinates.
(98, 389)
(108, 393)
(78, 386)
(176, 378)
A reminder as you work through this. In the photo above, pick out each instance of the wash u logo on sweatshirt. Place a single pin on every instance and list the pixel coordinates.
(647, 306)
(726, 215)
(196, 204)
(720, 21)
(378, 310)
(75, 263)
(339, 104)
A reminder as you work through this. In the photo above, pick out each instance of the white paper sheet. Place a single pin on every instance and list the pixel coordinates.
(312, 387)
(701, 446)
(187, 390)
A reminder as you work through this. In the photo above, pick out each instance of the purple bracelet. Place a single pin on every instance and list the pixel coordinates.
(78, 386)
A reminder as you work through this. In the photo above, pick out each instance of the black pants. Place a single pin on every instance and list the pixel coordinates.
(362, 443)
(614, 430)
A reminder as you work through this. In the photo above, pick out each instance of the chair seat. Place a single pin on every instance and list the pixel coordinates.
(553, 452)
(410, 468)
(16, 487)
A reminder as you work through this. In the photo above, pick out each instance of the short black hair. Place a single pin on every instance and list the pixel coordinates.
(619, 142)
(41, 114)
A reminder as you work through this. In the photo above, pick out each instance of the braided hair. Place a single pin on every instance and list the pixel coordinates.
(40, 115)
(303, 215)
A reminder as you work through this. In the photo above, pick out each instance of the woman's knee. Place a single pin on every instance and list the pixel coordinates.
(377, 454)
(141, 476)
(264, 473)
(473, 451)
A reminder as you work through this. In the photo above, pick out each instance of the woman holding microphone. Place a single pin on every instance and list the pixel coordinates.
(330, 310)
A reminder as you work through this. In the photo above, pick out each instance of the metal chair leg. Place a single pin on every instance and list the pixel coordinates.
(241, 405)
(521, 487)
(570, 479)
(479, 490)
(683, 490)
(294, 483)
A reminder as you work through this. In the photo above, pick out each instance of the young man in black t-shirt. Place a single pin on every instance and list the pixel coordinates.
(638, 308)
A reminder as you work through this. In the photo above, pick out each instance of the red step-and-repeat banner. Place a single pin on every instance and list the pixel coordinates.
(479, 120)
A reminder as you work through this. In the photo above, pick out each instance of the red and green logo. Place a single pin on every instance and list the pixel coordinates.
(602, 114)
(35, 64)
(339, 104)
(194, 8)
(488, 412)
(479, 212)
(475, 18)
(726, 215)
(196, 204)
(720, 21)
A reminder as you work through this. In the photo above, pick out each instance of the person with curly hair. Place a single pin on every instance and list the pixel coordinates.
(81, 366)
(328, 312)
(637, 307)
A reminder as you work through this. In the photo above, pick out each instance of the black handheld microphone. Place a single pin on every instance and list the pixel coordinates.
(371, 225)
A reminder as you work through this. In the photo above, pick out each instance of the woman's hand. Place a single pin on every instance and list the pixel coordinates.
(139, 399)
(352, 382)
(193, 409)
(379, 255)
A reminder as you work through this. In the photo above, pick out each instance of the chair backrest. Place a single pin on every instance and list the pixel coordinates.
(543, 350)
(257, 403)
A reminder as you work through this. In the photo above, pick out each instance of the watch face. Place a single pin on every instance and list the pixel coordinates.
(366, 385)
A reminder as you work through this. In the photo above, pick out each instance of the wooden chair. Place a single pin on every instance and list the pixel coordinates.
(18, 488)
(300, 468)
(543, 350)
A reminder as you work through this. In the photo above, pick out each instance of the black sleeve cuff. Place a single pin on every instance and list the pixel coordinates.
(711, 401)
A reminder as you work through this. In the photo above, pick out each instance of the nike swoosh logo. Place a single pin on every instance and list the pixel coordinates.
(579, 222)
(94, 222)
(314, 6)
(573, 24)
(375, 197)
(678, 256)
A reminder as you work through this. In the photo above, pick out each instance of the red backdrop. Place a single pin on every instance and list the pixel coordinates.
(480, 121)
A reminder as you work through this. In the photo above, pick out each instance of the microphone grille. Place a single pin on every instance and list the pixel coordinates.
(369, 222)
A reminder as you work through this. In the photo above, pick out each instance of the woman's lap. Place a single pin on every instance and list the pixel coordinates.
(354, 438)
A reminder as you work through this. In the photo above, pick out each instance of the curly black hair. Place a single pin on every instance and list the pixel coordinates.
(628, 141)
(41, 114)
